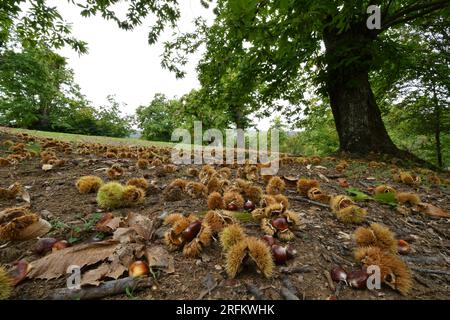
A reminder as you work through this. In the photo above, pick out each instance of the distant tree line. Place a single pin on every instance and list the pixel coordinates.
(37, 91)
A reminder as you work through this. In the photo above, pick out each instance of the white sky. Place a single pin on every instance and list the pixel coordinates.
(124, 64)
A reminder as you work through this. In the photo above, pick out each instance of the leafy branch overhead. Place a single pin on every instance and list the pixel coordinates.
(261, 52)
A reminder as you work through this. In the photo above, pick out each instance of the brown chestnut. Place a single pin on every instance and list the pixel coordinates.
(60, 245)
(279, 254)
(232, 206)
(280, 223)
(403, 247)
(338, 274)
(291, 252)
(269, 239)
(191, 231)
(357, 279)
(44, 245)
(147, 175)
(138, 268)
(249, 206)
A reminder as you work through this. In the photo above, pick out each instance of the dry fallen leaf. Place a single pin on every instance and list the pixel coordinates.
(20, 272)
(125, 235)
(108, 223)
(47, 167)
(126, 254)
(432, 210)
(321, 176)
(26, 196)
(116, 265)
(142, 225)
(159, 258)
(55, 264)
(93, 277)
(343, 182)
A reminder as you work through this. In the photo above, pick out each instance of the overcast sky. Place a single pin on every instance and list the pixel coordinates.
(123, 63)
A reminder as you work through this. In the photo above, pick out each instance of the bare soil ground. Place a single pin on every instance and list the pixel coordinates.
(322, 241)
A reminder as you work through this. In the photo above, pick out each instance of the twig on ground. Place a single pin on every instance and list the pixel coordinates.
(330, 281)
(425, 259)
(298, 269)
(444, 272)
(106, 289)
(287, 294)
(298, 198)
(254, 290)
(205, 292)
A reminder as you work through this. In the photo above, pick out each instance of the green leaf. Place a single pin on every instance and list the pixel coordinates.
(243, 216)
(129, 293)
(72, 240)
(386, 198)
(284, 5)
(358, 195)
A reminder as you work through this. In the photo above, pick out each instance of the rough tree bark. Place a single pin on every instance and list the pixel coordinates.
(357, 117)
(437, 132)
(44, 119)
(237, 116)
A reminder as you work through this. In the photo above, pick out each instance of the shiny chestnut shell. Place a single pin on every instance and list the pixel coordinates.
(280, 223)
(232, 206)
(249, 206)
(138, 268)
(403, 247)
(279, 254)
(357, 279)
(269, 240)
(338, 274)
(60, 245)
(191, 231)
(44, 245)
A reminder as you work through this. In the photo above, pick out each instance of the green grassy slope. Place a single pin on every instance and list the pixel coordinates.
(84, 138)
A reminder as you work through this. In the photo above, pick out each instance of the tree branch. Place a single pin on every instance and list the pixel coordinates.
(386, 10)
(417, 11)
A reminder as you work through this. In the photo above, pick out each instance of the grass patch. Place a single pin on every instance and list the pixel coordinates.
(69, 137)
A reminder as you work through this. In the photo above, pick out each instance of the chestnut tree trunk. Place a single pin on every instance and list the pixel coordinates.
(357, 116)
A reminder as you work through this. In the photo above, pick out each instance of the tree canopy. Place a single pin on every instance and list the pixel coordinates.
(265, 51)
(301, 57)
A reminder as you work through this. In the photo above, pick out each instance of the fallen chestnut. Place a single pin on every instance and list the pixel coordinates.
(60, 245)
(338, 274)
(280, 223)
(279, 254)
(269, 239)
(138, 268)
(357, 279)
(403, 247)
(232, 207)
(44, 245)
(249, 206)
(191, 231)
